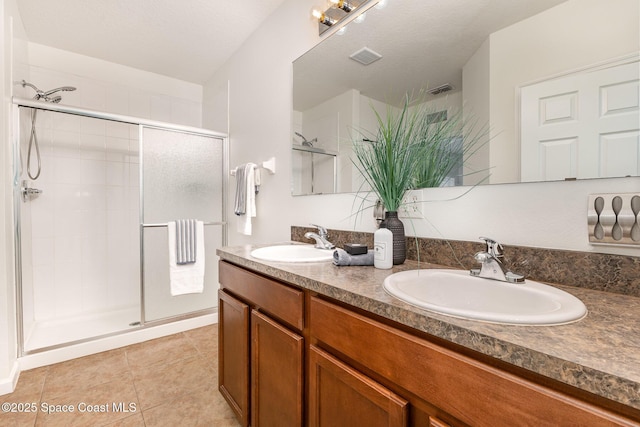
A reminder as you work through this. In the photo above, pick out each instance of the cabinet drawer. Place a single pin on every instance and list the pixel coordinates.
(474, 393)
(280, 301)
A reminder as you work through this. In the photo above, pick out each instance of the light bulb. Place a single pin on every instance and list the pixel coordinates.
(324, 19)
(342, 4)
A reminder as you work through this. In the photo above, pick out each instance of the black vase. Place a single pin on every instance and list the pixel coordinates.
(393, 223)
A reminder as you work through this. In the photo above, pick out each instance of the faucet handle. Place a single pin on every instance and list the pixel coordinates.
(321, 230)
(494, 248)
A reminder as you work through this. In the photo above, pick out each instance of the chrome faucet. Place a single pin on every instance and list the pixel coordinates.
(320, 237)
(492, 267)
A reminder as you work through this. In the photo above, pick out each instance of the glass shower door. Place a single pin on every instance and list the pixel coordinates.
(181, 178)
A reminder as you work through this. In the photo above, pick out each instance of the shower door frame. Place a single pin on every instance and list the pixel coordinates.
(17, 200)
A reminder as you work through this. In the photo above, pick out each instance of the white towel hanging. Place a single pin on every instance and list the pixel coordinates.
(186, 278)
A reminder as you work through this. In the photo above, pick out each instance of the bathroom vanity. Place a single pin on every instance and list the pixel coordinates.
(320, 345)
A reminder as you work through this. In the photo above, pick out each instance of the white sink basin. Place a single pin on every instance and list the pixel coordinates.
(292, 253)
(456, 293)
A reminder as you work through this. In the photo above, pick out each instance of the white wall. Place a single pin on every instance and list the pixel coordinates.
(549, 215)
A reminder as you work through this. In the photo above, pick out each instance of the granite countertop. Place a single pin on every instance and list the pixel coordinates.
(599, 354)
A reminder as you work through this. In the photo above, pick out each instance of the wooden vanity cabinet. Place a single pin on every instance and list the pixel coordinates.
(261, 348)
(289, 357)
(455, 388)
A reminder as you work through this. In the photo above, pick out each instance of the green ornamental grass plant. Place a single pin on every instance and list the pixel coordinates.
(411, 150)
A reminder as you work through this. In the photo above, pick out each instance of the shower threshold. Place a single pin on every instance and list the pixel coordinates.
(48, 333)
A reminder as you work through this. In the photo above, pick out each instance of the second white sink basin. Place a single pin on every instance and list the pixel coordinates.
(292, 253)
(456, 293)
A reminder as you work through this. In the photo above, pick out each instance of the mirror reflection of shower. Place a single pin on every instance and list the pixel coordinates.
(46, 96)
(308, 143)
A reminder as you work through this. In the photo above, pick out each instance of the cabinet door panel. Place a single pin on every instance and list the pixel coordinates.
(233, 355)
(277, 363)
(341, 396)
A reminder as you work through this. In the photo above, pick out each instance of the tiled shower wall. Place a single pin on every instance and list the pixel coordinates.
(83, 245)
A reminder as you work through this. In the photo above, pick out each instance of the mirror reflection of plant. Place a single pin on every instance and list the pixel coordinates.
(388, 160)
(412, 150)
(445, 145)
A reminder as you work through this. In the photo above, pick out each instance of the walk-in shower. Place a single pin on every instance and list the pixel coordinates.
(91, 240)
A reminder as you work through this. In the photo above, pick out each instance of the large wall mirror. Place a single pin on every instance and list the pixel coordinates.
(556, 81)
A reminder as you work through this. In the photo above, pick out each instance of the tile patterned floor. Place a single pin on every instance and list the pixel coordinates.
(170, 381)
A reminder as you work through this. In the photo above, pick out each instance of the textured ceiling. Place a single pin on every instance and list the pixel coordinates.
(422, 43)
(186, 39)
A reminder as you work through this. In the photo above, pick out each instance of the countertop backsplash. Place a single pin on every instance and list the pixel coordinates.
(611, 273)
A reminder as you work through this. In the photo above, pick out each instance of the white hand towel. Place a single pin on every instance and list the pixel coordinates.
(244, 221)
(187, 278)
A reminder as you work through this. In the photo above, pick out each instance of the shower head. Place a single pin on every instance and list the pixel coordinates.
(59, 89)
(304, 140)
(46, 96)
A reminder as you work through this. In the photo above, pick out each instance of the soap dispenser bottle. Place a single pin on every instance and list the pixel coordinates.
(383, 248)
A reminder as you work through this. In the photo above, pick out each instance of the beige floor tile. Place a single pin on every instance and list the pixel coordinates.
(203, 408)
(172, 381)
(161, 350)
(93, 406)
(84, 372)
(205, 339)
(29, 386)
(19, 418)
(159, 384)
(132, 421)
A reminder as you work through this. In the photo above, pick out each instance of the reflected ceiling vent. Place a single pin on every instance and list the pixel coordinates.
(440, 89)
(365, 56)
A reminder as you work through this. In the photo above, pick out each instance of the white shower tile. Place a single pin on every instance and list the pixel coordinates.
(95, 297)
(117, 149)
(160, 108)
(68, 197)
(91, 126)
(67, 279)
(42, 251)
(94, 172)
(117, 100)
(44, 292)
(94, 252)
(41, 222)
(118, 130)
(116, 198)
(93, 94)
(66, 122)
(65, 144)
(186, 113)
(139, 104)
(67, 223)
(93, 223)
(68, 249)
(117, 173)
(94, 198)
(66, 170)
(92, 147)
(134, 175)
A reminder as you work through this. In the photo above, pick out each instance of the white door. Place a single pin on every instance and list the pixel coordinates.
(585, 125)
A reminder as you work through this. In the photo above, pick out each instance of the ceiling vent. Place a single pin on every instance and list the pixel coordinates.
(365, 56)
(440, 89)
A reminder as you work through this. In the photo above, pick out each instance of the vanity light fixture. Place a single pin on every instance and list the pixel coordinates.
(342, 4)
(339, 10)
